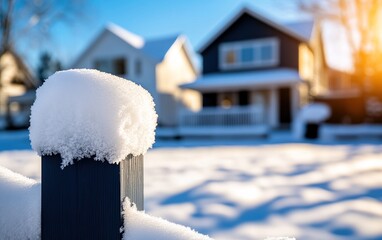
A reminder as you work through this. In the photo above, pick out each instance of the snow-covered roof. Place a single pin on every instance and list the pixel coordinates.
(158, 47)
(240, 80)
(155, 48)
(302, 28)
(82, 113)
(238, 13)
(337, 51)
(129, 37)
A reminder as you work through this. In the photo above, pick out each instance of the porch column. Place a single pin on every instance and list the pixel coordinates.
(294, 101)
(273, 110)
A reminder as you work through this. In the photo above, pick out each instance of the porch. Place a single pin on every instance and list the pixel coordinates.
(236, 120)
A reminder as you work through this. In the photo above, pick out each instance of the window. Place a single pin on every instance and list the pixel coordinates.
(230, 57)
(227, 100)
(210, 99)
(103, 65)
(117, 66)
(248, 54)
(138, 68)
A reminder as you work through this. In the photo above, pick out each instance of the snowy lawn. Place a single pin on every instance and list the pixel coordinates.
(302, 190)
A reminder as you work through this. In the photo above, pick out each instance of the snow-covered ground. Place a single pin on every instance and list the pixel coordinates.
(307, 191)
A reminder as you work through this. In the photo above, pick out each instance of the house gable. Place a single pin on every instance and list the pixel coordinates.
(159, 65)
(109, 48)
(177, 68)
(15, 72)
(108, 44)
(248, 27)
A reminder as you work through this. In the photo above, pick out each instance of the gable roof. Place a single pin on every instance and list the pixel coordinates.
(254, 14)
(155, 48)
(14, 68)
(302, 28)
(158, 47)
(127, 36)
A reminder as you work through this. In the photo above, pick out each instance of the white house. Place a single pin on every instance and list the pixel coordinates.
(159, 65)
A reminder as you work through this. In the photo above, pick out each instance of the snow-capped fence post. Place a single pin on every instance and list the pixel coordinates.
(91, 148)
(83, 201)
(312, 116)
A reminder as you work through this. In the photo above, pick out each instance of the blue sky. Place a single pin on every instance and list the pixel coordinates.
(153, 18)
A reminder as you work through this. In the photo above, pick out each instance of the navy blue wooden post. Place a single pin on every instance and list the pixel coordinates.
(83, 201)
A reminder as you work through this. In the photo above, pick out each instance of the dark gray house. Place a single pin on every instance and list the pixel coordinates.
(254, 77)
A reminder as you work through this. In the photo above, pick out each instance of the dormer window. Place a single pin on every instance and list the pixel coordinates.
(248, 54)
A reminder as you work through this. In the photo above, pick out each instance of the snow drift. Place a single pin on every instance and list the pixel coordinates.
(20, 206)
(81, 113)
(140, 226)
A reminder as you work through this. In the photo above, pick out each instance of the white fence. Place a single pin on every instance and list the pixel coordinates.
(222, 117)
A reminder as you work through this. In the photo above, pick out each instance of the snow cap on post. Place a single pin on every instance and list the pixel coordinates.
(87, 113)
(315, 113)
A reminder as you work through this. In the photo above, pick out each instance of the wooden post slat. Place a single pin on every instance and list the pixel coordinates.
(132, 180)
(84, 201)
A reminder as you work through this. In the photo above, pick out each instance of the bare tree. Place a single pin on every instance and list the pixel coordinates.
(34, 18)
(361, 20)
(27, 21)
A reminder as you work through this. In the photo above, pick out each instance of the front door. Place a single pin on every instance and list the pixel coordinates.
(284, 106)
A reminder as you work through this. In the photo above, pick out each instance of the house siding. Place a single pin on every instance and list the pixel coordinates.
(174, 70)
(247, 27)
(109, 46)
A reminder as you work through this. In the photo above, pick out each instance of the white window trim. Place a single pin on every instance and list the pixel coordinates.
(258, 43)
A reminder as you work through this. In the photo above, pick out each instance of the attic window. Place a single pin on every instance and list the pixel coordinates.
(248, 54)
(115, 66)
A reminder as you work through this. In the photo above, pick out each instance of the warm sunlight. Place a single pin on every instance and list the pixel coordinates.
(178, 120)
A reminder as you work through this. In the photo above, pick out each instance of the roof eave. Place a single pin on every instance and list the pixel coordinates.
(89, 47)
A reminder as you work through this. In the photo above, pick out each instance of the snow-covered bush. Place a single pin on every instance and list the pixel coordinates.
(82, 113)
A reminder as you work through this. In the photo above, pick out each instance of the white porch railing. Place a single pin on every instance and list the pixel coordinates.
(217, 116)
